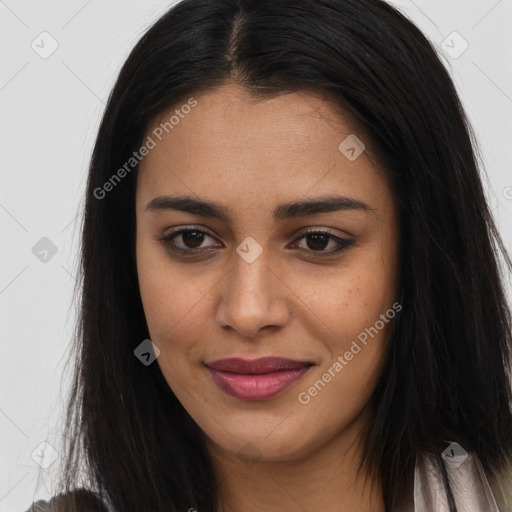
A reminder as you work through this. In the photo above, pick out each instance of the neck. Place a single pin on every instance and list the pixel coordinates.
(326, 479)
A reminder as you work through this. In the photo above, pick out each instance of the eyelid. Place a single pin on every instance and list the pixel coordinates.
(190, 227)
(320, 229)
(309, 229)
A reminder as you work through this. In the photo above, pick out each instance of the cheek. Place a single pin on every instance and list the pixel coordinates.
(351, 298)
(174, 299)
(357, 321)
(163, 304)
(353, 317)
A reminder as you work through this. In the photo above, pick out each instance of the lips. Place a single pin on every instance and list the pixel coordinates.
(258, 379)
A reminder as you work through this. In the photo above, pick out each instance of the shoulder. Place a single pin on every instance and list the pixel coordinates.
(79, 500)
(501, 485)
(469, 484)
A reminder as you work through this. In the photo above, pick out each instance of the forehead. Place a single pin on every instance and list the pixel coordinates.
(242, 147)
(229, 114)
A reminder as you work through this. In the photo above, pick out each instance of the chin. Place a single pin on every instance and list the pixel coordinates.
(249, 440)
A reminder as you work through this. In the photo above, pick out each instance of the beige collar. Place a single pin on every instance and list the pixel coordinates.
(471, 489)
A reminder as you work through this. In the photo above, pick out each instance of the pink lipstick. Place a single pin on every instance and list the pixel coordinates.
(257, 379)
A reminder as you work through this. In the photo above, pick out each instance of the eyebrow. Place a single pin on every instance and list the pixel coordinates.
(219, 211)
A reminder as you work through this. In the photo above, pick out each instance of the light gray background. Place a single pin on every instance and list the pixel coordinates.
(50, 111)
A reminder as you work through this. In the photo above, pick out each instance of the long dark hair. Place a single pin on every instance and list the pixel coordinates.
(447, 376)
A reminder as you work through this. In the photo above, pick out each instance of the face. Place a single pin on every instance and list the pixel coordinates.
(286, 248)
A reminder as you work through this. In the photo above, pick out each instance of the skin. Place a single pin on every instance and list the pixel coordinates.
(252, 156)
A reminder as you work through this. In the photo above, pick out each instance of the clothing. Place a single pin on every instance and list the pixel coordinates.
(83, 500)
(471, 489)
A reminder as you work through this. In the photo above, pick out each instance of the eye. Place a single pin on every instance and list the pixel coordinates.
(189, 241)
(317, 241)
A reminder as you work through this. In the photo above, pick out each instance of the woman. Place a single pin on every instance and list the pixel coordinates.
(291, 286)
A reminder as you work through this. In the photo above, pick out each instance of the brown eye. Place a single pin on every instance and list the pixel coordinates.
(318, 241)
(192, 239)
(189, 241)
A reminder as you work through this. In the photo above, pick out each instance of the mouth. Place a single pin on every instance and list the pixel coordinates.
(258, 379)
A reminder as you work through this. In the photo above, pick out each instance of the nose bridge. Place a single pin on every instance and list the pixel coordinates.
(252, 294)
(250, 271)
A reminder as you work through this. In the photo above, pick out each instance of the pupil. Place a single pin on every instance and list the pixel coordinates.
(194, 237)
(319, 242)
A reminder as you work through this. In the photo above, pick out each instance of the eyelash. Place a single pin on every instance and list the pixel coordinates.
(167, 241)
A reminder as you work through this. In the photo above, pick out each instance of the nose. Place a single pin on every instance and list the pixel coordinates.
(253, 298)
